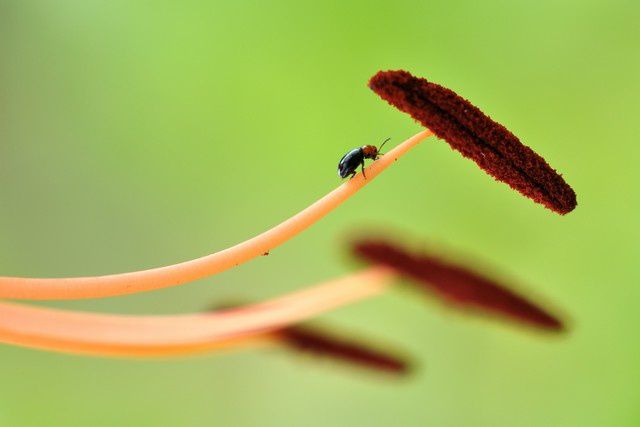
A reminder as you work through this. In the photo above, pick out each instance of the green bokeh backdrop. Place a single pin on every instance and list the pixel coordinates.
(137, 134)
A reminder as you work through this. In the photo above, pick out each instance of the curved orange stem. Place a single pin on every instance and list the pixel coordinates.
(184, 272)
(115, 335)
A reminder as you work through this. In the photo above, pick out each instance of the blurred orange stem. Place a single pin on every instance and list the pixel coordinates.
(116, 335)
(184, 272)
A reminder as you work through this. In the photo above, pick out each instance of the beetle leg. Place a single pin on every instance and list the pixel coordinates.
(353, 174)
(362, 169)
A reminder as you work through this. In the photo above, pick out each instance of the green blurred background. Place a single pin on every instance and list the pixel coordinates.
(137, 134)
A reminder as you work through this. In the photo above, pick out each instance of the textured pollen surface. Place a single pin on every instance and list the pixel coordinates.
(469, 131)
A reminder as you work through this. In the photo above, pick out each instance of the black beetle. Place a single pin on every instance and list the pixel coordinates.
(354, 158)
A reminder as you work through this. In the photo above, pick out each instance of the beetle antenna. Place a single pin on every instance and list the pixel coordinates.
(382, 145)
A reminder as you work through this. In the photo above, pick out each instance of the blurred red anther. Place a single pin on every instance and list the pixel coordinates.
(321, 343)
(456, 283)
(469, 131)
